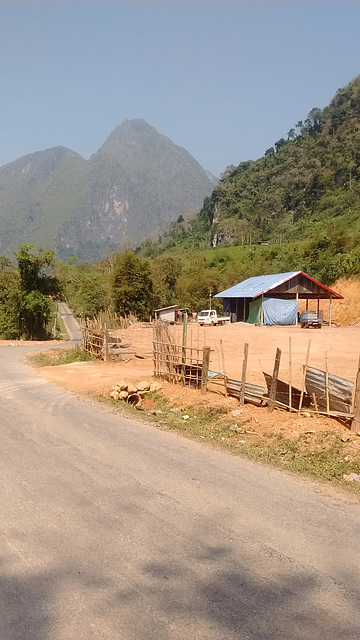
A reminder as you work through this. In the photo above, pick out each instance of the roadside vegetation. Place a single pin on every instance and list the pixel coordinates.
(53, 357)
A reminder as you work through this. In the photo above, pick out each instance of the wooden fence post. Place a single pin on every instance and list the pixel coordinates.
(243, 377)
(304, 377)
(290, 375)
(105, 343)
(205, 369)
(274, 380)
(355, 425)
(327, 384)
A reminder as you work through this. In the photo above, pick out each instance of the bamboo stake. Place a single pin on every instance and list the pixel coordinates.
(205, 369)
(243, 377)
(105, 345)
(327, 383)
(315, 403)
(355, 425)
(304, 377)
(290, 375)
(223, 366)
(274, 380)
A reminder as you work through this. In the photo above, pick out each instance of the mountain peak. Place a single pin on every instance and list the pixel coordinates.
(133, 187)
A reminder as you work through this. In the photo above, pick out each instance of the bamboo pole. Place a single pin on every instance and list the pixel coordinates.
(274, 380)
(304, 377)
(205, 369)
(355, 425)
(327, 383)
(290, 374)
(106, 343)
(243, 376)
(223, 366)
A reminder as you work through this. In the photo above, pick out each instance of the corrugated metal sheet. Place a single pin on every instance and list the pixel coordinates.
(257, 285)
(340, 390)
(283, 393)
(253, 393)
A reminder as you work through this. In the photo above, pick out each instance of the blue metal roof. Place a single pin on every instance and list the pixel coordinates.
(256, 286)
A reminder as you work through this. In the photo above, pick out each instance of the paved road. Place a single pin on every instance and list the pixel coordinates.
(71, 324)
(112, 529)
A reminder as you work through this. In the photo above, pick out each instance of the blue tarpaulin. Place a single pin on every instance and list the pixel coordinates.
(276, 311)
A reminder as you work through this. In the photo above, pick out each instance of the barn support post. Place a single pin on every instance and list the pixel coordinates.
(262, 311)
(330, 310)
(297, 313)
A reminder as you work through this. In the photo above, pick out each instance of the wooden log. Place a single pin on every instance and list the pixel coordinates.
(272, 394)
(205, 369)
(243, 376)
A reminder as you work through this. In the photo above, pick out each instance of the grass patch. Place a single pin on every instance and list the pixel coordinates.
(54, 357)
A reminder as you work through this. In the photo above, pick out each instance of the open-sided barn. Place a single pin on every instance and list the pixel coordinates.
(274, 299)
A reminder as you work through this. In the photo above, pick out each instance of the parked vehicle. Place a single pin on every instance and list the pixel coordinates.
(210, 316)
(310, 319)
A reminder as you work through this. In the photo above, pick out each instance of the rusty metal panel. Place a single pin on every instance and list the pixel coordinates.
(253, 393)
(340, 390)
(283, 393)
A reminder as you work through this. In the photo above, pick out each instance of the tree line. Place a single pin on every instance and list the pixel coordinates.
(128, 283)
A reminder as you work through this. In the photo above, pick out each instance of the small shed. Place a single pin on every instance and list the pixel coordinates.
(168, 314)
(274, 299)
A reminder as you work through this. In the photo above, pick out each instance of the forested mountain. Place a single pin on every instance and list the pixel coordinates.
(307, 183)
(132, 188)
(305, 186)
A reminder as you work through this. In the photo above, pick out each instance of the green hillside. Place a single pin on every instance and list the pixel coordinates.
(306, 186)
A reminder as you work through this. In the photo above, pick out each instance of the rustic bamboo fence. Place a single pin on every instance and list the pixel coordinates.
(100, 341)
(179, 363)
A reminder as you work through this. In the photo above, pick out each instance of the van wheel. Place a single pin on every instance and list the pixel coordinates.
(211, 324)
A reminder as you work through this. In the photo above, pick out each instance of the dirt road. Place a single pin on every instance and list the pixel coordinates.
(112, 529)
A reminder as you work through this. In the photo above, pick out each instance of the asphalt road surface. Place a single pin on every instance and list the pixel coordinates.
(71, 324)
(110, 528)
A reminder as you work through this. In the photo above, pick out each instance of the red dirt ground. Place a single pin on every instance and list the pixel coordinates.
(340, 343)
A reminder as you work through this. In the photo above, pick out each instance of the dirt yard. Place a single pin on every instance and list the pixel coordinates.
(340, 343)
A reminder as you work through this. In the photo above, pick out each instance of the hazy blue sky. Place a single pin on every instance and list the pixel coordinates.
(224, 79)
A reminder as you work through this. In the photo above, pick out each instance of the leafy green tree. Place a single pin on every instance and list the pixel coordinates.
(9, 304)
(86, 287)
(132, 287)
(37, 287)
